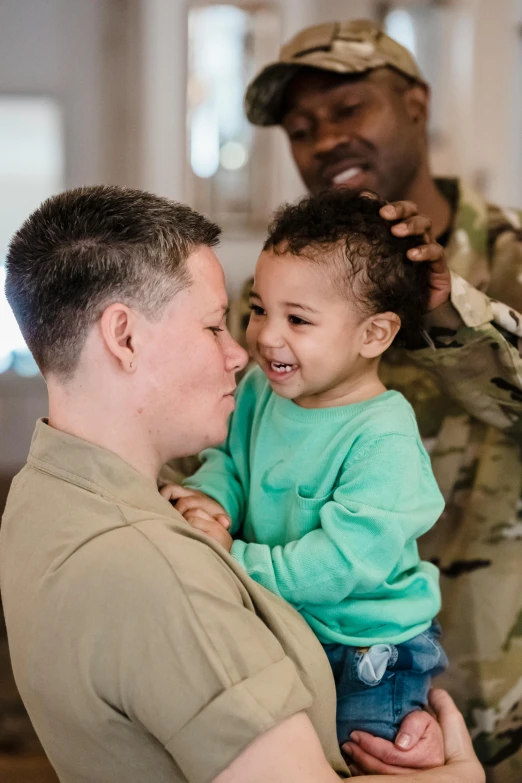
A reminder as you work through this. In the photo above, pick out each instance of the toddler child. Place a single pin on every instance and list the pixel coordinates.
(323, 474)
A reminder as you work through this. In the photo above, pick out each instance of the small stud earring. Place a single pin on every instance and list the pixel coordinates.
(131, 365)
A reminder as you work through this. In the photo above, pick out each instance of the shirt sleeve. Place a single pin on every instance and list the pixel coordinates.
(386, 497)
(195, 668)
(475, 353)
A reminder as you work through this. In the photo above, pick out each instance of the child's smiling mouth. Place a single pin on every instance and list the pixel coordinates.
(279, 372)
(281, 367)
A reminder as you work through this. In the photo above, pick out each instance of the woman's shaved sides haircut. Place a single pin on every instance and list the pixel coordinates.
(86, 248)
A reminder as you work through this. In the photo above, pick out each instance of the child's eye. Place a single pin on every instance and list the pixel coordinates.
(215, 330)
(256, 309)
(294, 319)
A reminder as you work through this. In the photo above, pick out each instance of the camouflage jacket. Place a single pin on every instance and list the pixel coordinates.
(466, 388)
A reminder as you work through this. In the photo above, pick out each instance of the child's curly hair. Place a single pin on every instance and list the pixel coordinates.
(369, 263)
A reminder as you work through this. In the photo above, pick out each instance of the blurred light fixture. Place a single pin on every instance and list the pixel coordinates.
(204, 147)
(233, 155)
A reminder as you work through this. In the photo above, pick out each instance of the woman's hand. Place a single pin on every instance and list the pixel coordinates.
(371, 755)
(411, 224)
(418, 745)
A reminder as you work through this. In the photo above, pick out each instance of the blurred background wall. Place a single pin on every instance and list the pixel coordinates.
(148, 93)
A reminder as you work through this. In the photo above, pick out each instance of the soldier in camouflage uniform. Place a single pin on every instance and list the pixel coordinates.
(465, 382)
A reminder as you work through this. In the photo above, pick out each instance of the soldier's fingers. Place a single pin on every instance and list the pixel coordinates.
(432, 252)
(417, 225)
(399, 210)
(369, 194)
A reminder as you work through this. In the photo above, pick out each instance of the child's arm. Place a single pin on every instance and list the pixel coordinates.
(386, 497)
(219, 479)
(225, 474)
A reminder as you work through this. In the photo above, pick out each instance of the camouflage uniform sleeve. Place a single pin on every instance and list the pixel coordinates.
(475, 352)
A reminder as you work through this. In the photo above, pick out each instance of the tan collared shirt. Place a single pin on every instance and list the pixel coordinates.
(141, 650)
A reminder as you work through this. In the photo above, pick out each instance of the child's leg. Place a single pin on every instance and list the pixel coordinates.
(377, 688)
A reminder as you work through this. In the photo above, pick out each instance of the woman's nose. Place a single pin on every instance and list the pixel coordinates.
(236, 357)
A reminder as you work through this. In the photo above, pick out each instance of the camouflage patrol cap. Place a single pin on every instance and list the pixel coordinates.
(355, 46)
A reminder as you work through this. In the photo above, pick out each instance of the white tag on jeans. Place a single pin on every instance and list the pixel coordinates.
(373, 663)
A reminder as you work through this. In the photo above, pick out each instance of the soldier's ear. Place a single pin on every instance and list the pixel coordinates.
(417, 104)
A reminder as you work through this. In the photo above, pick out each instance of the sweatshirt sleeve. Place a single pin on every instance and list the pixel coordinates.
(386, 498)
(219, 478)
(225, 473)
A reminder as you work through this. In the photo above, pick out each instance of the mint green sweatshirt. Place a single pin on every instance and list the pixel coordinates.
(327, 505)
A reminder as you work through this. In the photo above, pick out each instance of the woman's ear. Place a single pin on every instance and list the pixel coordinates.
(379, 333)
(117, 326)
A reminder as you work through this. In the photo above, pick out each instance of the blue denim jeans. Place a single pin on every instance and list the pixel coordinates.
(378, 686)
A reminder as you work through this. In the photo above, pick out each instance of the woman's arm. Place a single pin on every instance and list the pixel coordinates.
(291, 753)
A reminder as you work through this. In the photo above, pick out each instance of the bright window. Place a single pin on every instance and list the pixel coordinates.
(31, 169)
(400, 26)
(229, 160)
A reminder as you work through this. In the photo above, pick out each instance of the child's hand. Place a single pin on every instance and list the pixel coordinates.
(210, 526)
(191, 500)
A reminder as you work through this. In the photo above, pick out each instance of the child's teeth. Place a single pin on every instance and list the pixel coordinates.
(281, 367)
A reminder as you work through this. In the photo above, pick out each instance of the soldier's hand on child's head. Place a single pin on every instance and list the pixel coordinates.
(429, 251)
(186, 499)
(210, 527)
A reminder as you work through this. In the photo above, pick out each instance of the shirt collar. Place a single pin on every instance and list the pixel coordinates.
(94, 468)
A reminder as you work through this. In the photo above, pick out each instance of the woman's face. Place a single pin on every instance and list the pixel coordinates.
(190, 364)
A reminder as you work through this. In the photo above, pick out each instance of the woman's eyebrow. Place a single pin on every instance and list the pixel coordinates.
(223, 310)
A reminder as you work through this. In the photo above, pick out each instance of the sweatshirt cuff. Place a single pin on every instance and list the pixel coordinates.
(237, 551)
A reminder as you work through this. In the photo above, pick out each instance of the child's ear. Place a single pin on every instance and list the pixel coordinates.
(379, 333)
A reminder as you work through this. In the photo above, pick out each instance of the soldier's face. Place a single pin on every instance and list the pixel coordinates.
(362, 134)
(303, 333)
